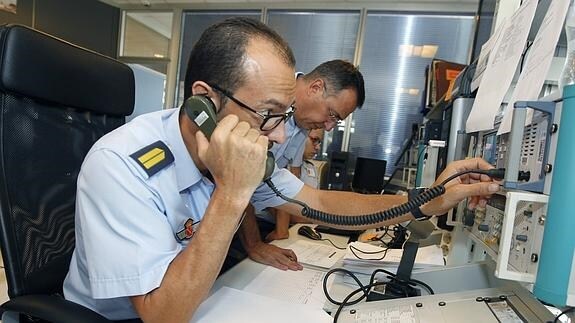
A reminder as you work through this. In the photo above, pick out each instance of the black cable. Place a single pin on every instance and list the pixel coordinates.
(366, 288)
(385, 215)
(367, 252)
(354, 277)
(344, 302)
(379, 237)
(333, 244)
(387, 272)
(386, 232)
(366, 219)
(399, 237)
(424, 285)
(567, 310)
(354, 249)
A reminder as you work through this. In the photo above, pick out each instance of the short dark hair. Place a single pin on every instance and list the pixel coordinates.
(339, 75)
(218, 56)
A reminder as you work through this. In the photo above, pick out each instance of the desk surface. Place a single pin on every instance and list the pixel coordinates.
(449, 280)
(243, 273)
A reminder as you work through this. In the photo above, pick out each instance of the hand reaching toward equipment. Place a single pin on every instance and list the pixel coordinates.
(478, 187)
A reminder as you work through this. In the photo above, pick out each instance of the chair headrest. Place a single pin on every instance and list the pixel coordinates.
(36, 65)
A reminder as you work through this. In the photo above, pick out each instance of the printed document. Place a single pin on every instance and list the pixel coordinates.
(316, 254)
(501, 68)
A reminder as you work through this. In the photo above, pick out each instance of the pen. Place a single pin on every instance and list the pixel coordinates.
(332, 254)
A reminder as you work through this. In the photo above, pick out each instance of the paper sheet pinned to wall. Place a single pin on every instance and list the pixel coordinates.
(483, 59)
(501, 68)
(538, 62)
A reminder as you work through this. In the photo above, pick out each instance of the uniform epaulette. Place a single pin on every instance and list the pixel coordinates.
(154, 157)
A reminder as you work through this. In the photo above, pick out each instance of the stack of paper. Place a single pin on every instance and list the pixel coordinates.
(364, 258)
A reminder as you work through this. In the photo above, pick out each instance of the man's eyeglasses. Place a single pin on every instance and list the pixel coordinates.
(333, 116)
(315, 140)
(270, 121)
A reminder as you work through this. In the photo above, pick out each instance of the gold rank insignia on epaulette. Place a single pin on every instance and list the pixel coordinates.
(154, 157)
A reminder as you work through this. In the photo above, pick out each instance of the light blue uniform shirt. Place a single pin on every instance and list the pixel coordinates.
(291, 151)
(127, 221)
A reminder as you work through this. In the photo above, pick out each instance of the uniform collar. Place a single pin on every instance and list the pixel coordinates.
(292, 124)
(187, 173)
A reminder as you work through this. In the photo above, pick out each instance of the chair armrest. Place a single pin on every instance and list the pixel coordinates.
(53, 309)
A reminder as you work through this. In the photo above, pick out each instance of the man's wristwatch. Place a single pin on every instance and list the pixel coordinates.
(416, 211)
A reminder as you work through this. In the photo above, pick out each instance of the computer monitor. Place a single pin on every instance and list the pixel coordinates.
(369, 175)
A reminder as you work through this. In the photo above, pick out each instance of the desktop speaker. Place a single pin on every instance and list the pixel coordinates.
(340, 167)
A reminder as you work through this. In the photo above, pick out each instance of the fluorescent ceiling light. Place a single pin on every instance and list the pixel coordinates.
(416, 51)
(405, 50)
(409, 50)
(429, 51)
(401, 90)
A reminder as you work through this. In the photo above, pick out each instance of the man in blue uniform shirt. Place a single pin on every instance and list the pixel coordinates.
(152, 229)
(324, 97)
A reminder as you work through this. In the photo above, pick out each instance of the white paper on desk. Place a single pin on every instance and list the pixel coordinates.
(501, 68)
(299, 287)
(316, 254)
(426, 256)
(537, 63)
(229, 305)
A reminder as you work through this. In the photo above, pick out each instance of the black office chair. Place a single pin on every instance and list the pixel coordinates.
(57, 99)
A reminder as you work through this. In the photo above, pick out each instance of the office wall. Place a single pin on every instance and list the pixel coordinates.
(87, 23)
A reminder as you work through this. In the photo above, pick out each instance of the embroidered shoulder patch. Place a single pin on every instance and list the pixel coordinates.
(154, 157)
(188, 231)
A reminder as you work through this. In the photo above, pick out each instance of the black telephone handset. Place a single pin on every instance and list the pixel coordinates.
(202, 111)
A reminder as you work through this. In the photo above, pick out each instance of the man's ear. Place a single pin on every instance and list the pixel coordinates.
(316, 86)
(202, 88)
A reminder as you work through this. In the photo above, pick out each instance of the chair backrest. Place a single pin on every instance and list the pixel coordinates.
(57, 99)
